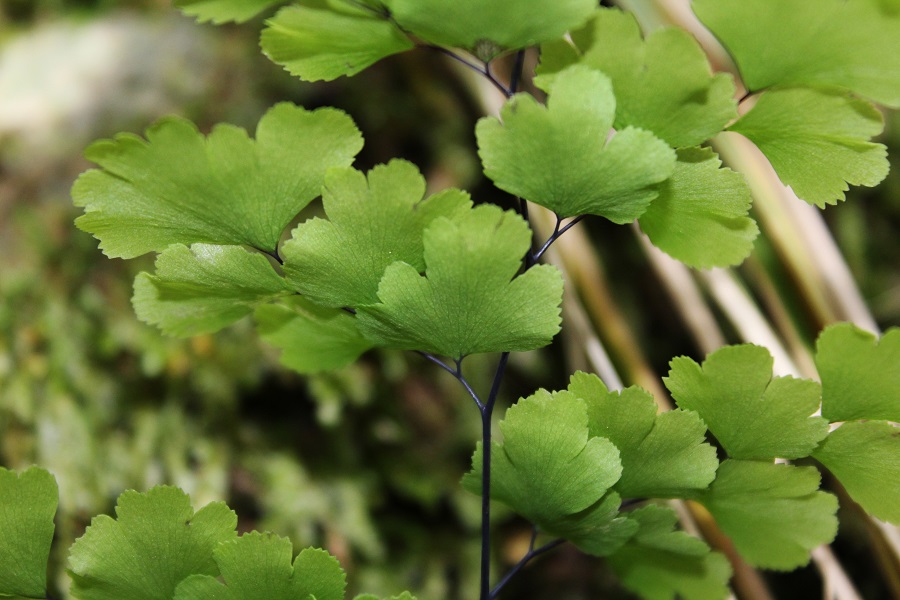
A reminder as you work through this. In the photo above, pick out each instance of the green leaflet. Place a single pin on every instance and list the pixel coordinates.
(204, 288)
(371, 224)
(817, 141)
(558, 156)
(700, 216)
(156, 541)
(258, 566)
(598, 530)
(182, 187)
(312, 338)
(848, 43)
(752, 414)
(663, 456)
(322, 44)
(403, 596)
(865, 457)
(860, 378)
(223, 11)
(663, 84)
(773, 513)
(489, 27)
(659, 563)
(549, 468)
(470, 299)
(28, 503)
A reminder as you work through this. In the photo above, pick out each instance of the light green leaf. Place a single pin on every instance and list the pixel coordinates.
(156, 541)
(312, 338)
(817, 141)
(321, 44)
(370, 225)
(598, 530)
(28, 503)
(663, 84)
(257, 566)
(403, 596)
(489, 27)
(752, 414)
(700, 216)
(660, 563)
(223, 11)
(773, 513)
(547, 467)
(558, 156)
(469, 300)
(203, 288)
(180, 187)
(663, 456)
(865, 457)
(860, 375)
(848, 43)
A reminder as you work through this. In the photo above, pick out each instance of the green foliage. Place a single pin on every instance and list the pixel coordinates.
(257, 566)
(796, 42)
(860, 379)
(865, 457)
(489, 28)
(322, 44)
(700, 216)
(27, 505)
(312, 338)
(204, 288)
(469, 300)
(223, 11)
(659, 563)
(752, 414)
(773, 513)
(558, 156)
(371, 224)
(156, 541)
(663, 456)
(662, 84)
(817, 141)
(179, 187)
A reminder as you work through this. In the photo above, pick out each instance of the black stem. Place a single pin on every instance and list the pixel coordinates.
(486, 413)
(484, 71)
(516, 76)
(532, 553)
(490, 76)
(557, 233)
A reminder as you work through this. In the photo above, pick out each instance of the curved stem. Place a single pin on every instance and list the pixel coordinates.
(557, 232)
(481, 70)
(532, 553)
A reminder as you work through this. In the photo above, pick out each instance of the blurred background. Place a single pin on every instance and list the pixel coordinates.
(365, 461)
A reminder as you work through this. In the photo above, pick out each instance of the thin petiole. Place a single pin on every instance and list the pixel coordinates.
(532, 553)
(485, 70)
(557, 232)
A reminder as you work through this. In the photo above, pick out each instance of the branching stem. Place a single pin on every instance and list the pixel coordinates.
(557, 232)
(532, 553)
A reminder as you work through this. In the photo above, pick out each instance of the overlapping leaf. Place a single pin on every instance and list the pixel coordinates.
(156, 541)
(772, 512)
(312, 338)
(179, 187)
(370, 225)
(548, 466)
(663, 456)
(752, 414)
(489, 27)
(700, 216)
(223, 11)
(853, 44)
(659, 563)
(28, 503)
(599, 530)
(860, 374)
(469, 300)
(558, 156)
(817, 141)
(258, 565)
(663, 84)
(203, 288)
(322, 44)
(865, 457)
